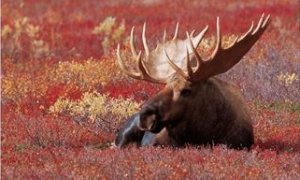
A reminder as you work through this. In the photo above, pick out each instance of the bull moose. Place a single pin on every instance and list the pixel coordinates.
(194, 107)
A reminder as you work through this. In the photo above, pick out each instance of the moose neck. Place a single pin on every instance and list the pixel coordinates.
(209, 113)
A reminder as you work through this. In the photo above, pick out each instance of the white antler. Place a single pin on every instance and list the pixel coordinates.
(169, 56)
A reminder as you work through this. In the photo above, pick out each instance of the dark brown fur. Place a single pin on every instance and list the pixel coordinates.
(213, 113)
(207, 112)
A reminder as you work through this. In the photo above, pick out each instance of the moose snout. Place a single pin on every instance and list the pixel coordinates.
(150, 119)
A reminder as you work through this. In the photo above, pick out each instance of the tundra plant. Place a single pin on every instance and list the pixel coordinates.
(112, 32)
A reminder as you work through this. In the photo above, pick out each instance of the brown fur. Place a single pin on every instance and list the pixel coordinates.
(212, 113)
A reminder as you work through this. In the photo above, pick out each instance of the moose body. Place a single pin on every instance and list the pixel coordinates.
(220, 117)
(194, 107)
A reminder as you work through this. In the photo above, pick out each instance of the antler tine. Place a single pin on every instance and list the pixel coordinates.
(247, 33)
(141, 66)
(219, 39)
(175, 67)
(133, 51)
(145, 41)
(138, 58)
(198, 58)
(164, 36)
(122, 66)
(176, 31)
(233, 42)
(188, 64)
(199, 37)
(259, 23)
(143, 74)
(266, 22)
(192, 32)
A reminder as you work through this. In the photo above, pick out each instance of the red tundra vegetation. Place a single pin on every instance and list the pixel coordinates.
(63, 98)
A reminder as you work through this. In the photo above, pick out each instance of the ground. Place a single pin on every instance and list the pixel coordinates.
(63, 98)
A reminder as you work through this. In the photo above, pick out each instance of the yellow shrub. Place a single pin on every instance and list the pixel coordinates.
(112, 33)
(6, 31)
(12, 37)
(119, 32)
(105, 26)
(88, 75)
(62, 106)
(14, 87)
(95, 106)
(288, 78)
(19, 79)
(124, 107)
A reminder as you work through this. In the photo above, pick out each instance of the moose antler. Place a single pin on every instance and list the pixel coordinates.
(144, 73)
(154, 67)
(223, 59)
(168, 56)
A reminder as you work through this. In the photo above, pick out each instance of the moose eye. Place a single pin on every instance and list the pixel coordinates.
(185, 92)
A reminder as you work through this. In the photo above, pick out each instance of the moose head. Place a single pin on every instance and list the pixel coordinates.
(194, 106)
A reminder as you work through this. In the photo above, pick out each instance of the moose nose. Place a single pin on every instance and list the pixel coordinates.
(149, 110)
(150, 119)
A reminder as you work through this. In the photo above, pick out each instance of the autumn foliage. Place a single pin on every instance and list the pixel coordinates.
(63, 98)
